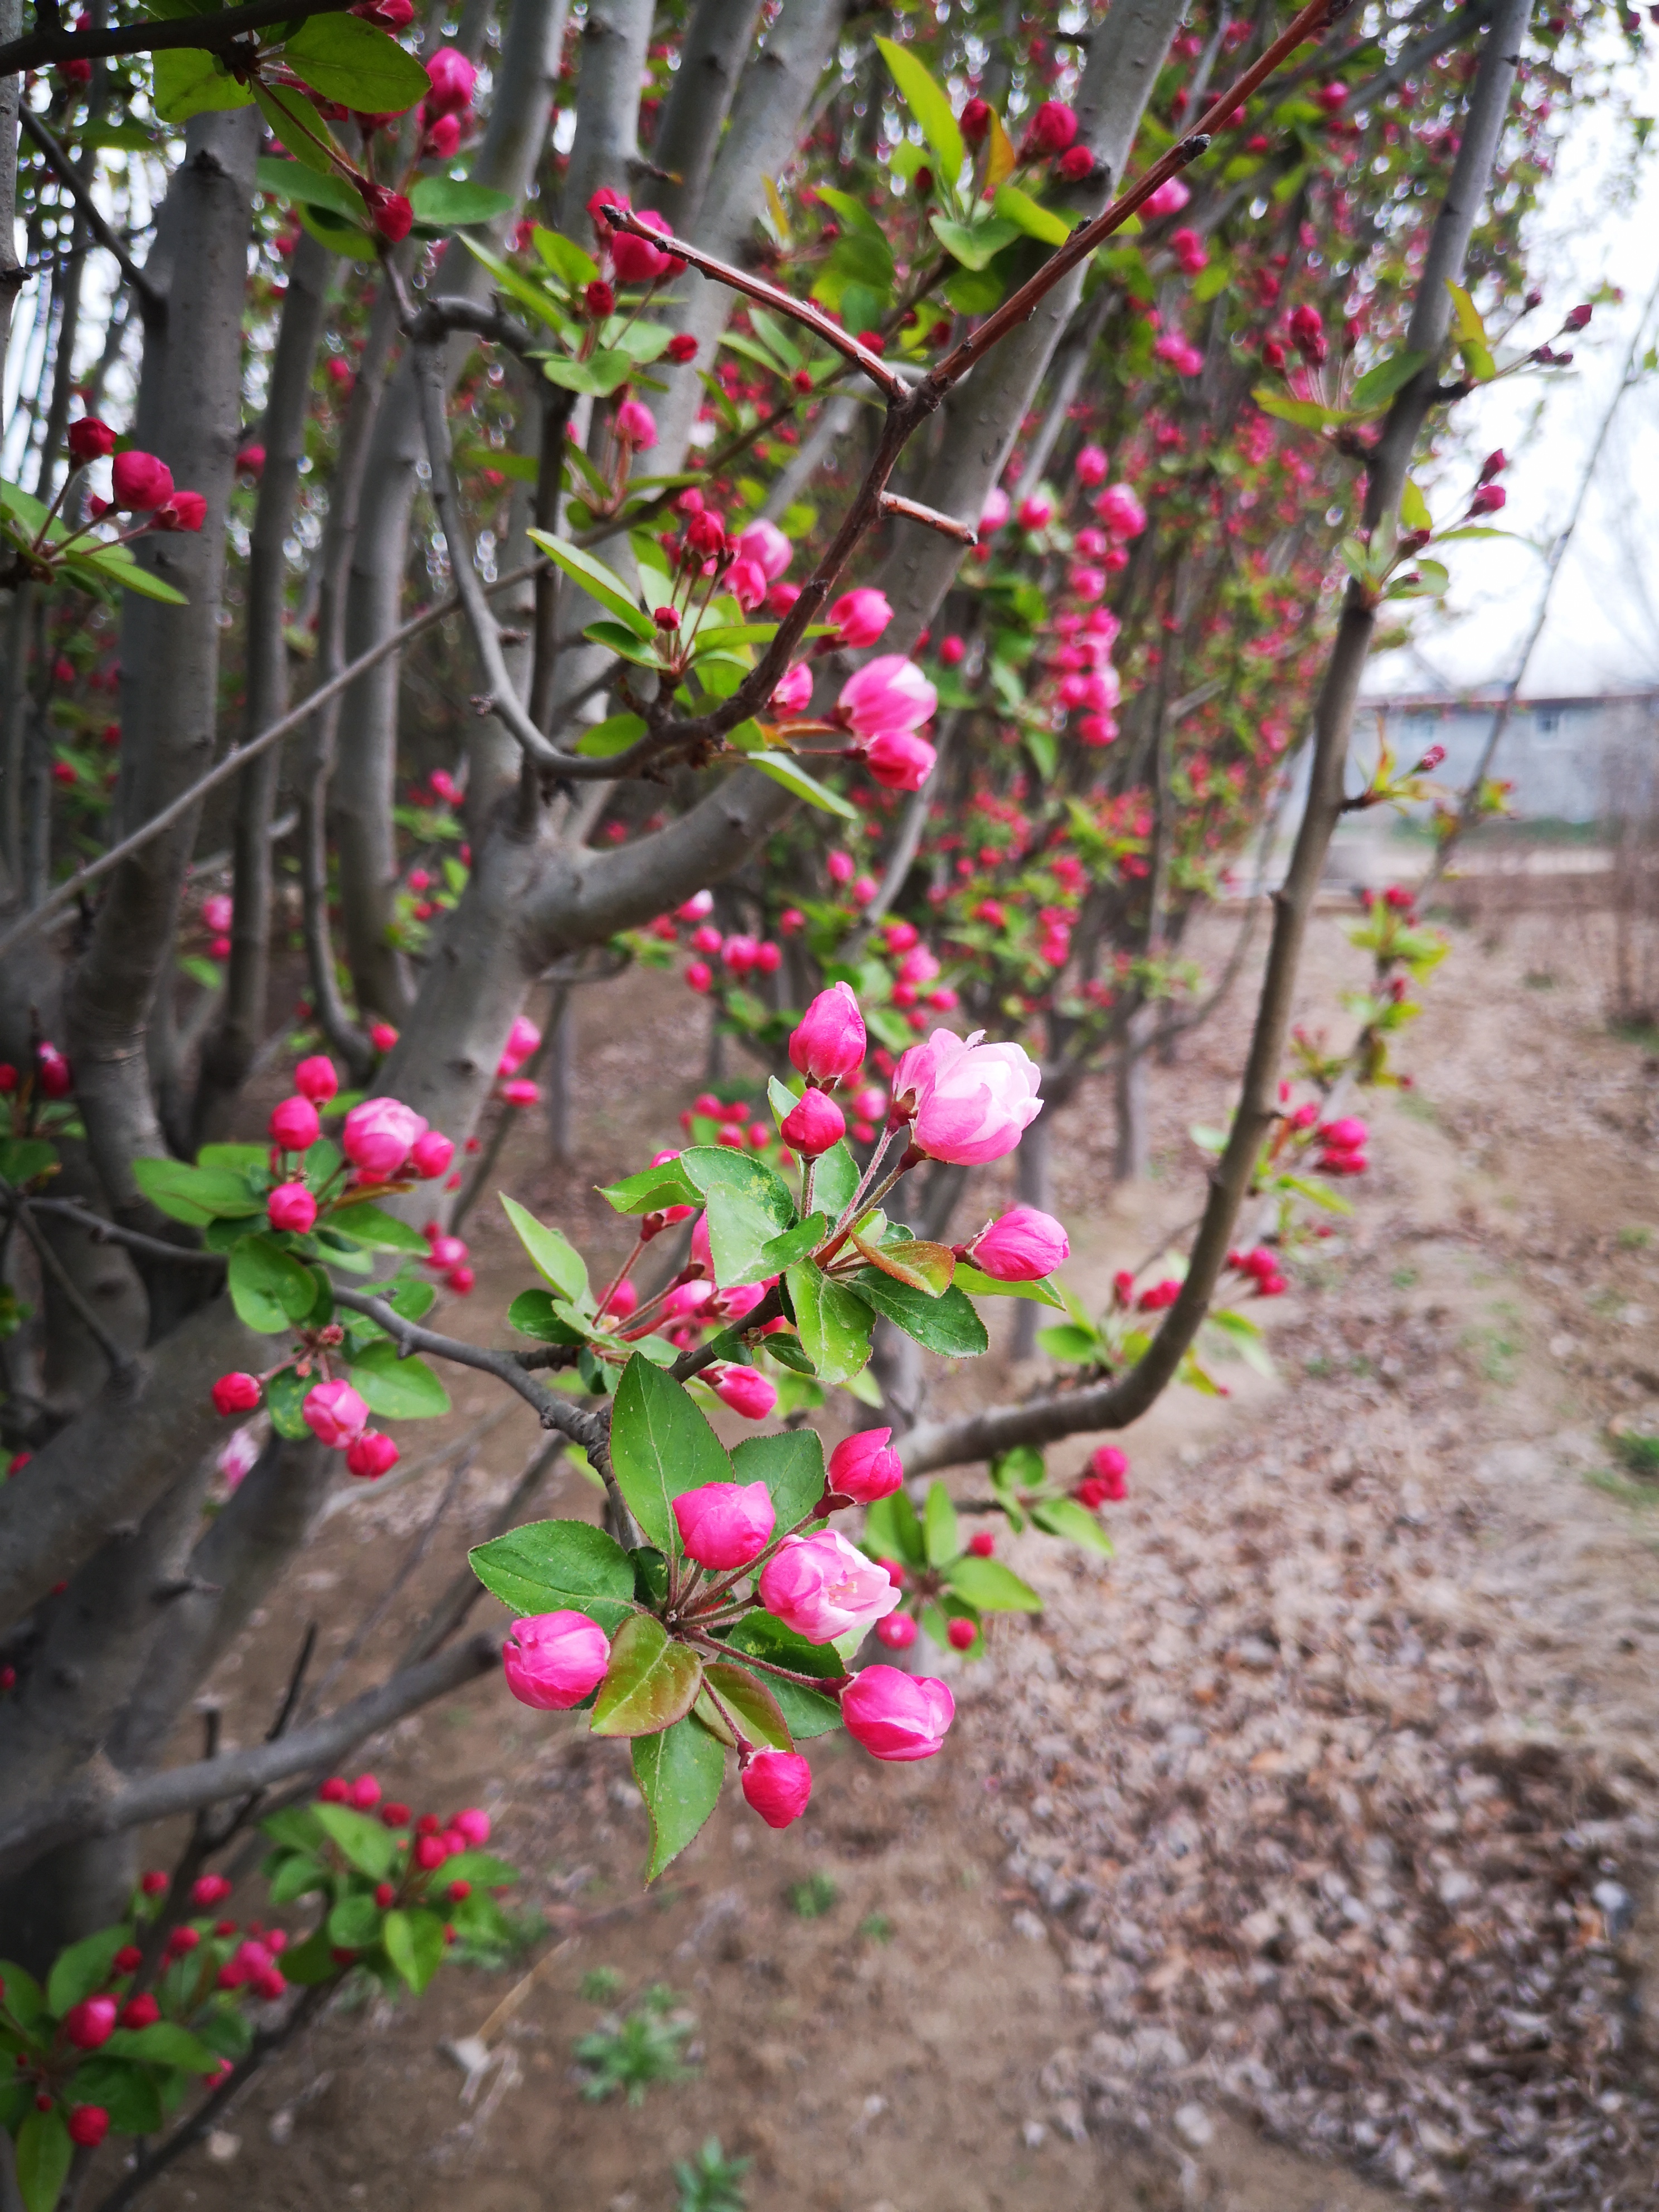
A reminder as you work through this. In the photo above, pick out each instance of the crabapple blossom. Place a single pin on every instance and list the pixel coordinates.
(431, 1153)
(777, 1785)
(861, 616)
(828, 1044)
(1120, 512)
(723, 1525)
(895, 1716)
(315, 1078)
(888, 693)
(863, 1467)
(747, 1392)
(552, 1660)
(822, 1587)
(635, 425)
(899, 761)
(236, 1394)
(812, 1127)
(1020, 1246)
(292, 1206)
(91, 2023)
(377, 1135)
(765, 545)
(897, 1631)
(968, 1104)
(293, 1125)
(372, 1456)
(141, 481)
(793, 692)
(334, 1413)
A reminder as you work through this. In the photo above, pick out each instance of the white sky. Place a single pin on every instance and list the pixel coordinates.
(1603, 626)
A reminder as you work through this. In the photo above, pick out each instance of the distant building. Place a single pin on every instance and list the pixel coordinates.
(1570, 760)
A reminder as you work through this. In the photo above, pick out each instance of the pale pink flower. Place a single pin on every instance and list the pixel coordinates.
(824, 1588)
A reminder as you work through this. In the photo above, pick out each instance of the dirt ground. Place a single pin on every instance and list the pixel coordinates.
(1300, 1856)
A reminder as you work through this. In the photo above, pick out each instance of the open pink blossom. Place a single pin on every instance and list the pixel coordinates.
(1021, 1246)
(379, 1134)
(888, 693)
(723, 1525)
(334, 1413)
(897, 1716)
(968, 1103)
(552, 1660)
(765, 545)
(777, 1784)
(1120, 512)
(747, 581)
(995, 512)
(1089, 467)
(822, 1588)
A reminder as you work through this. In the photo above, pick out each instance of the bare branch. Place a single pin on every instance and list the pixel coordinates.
(219, 35)
(151, 300)
(946, 524)
(122, 1365)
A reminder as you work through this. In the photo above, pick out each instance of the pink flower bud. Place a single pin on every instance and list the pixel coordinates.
(747, 1392)
(293, 1125)
(899, 761)
(442, 139)
(1020, 1246)
(88, 439)
(777, 1784)
(472, 1822)
(1578, 316)
(522, 1092)
(829, 1045)
(765, 545)
(636, 426)
(1488, 499)
(372, 1456)
(1035, 513)
(453, 78)
(431, 1851)
(141, 481)
(1108, 1465)
(315, 1079)
(897, 1716)
(888, 693)
(90, 2023)
(430, 1154)
(822, 1588)
(144, 2011)
(960, 1634)
(87, 2125)
(1120, 512)
(209, 1890)
(863, 1466)
(969, 1103)
(812, 1126)
(236, 1394)
(793, 694)
(552, 1660)
(334, 1413)
(184, 510)
(726, 1524)
(291, 1205)
(897, 1631)
(377, 1135)
(1051, 129)
(635, 260)
(1169, 198)
(861, 616)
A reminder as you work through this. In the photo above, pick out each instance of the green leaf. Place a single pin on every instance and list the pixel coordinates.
(835, 1181)
(930, 104)
(23, 1159)
(374, 1226)
(293, 181)
(651, 1681)
(298, 126)
(891, 1531)
(557, 1566)
(354, 1925)
(113, 564)
(1064, 1516)
(481, 1867)
(1379, 384)
(939, 1531)
(599, 375)
(364, 1844)
(1018, 208)
(312, 1961)
(679, 1772)
(554, 1260)
(25, 2000)
(298, 1875)
(660, 1447)
(164, 2042)
(1307, 414)
(285, 1394)
(794, 1244)
(1042, 1290)
(749, 1206)
(758, 1712)
(195, 1195)
(565, 258)
(1424, 579)
(790, 1464)
(613, 735)
(1070, 1340)
(450, 205)
(347, 59)
(395, 1388)
(807, 1712)
(294, 1827)
(528, 291)
(599, 582)
(415, 1944)
(126, 2092)
(947, 1324)
(43, 2149)
(653, 1189)
(784, 769)
(973, 245)
(835, 1326)
(83, 1968)
(1414, 509)
(187, 82)
(533, 1314)
(990, 1586)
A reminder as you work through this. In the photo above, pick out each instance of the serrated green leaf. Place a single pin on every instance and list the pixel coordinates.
(349, 60)
(292, 180)
(975, 246)
(558, 1566)
(1027, 215)
(835, 1326)
(947, 1324)
(83, 1967)
(1414, 509)
(163, 2042)
(790, 1464)
(196, 1195)
(660, 1447)
(749, 1206)
(1379, 384)
(1042, 1291)
(1307, 414)
(757, 1713)
(364, 1844)
(653, 1189)
(679, 1772)
(652, 1680)
(450, 204)
(613, 735)
(44, 2150)
(185, 82)
(270, 1288)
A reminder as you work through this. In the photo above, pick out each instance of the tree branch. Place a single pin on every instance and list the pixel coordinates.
(215, 36)
(151, 300)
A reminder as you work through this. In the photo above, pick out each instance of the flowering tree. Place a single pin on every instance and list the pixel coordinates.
(560, 377)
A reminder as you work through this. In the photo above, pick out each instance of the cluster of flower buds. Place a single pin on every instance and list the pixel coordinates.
(445, 112)
(1260, 1269)
(1308, 334)
(523, 1039)
(1107, 1482)
(141, 484)
(884, 704)
(1489, 495)
(54, 1078)
(1342, 1146)
(447, 1256)
(1157, 1297)
(632, 259)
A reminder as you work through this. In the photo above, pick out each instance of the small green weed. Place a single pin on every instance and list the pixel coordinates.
(1634, 1239)
(877, 1927)
(631, 2054)
(1640, 1455)
(711, 2182)
(812, 1899)
(600, 1985)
